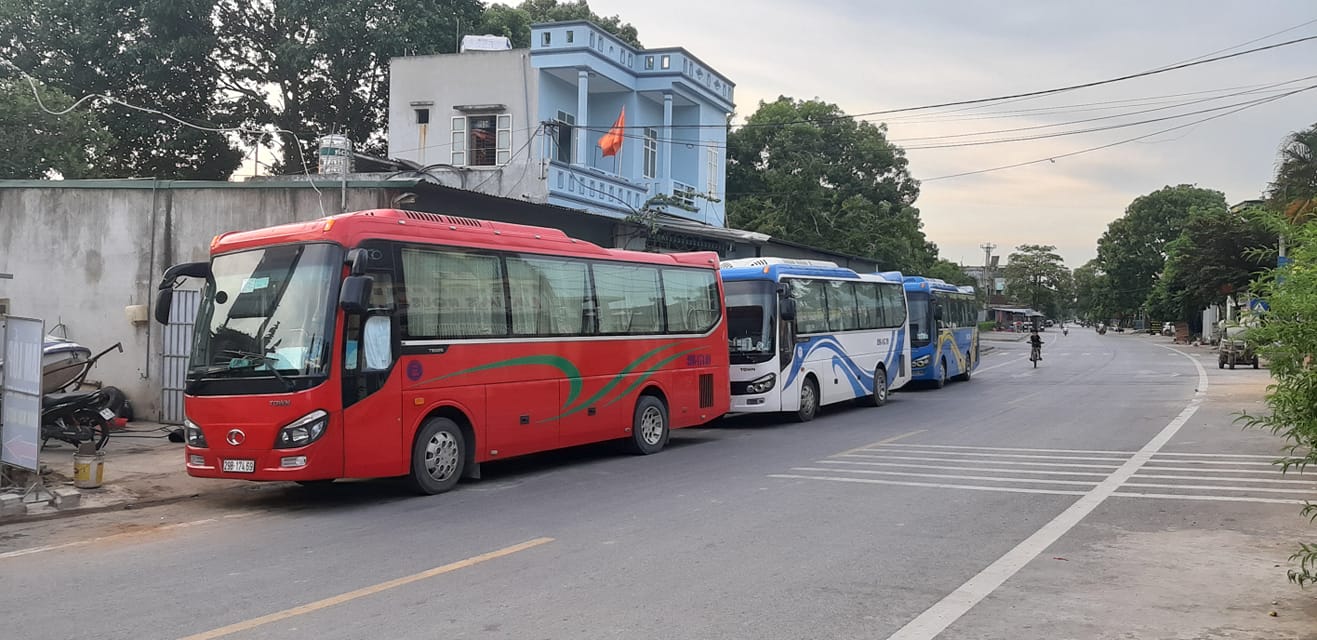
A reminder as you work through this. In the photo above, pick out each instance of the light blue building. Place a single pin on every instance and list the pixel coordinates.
(526, 123)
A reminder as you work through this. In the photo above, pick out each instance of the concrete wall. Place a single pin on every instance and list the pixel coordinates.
(82, 252)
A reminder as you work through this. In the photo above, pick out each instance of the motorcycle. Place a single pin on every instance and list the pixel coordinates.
(80, 416)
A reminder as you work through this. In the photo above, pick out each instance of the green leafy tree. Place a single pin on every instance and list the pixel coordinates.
(152, 53)
(1288, 340)
(1294, 190)
(514, 22)
(803, 170)
(1217, 254)
(36, 144)
(1094, 301)
(1132, 252)
(316, 68)
(1036, 276)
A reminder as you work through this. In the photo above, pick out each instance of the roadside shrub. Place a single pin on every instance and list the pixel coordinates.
(987, 326)
(1287, 338)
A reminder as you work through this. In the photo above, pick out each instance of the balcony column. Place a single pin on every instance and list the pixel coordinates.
(665, 148)
(580, 158)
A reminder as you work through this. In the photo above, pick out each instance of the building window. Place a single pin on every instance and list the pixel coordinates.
(665, 62)
(630, 60)
(571, 37)
(482, 140)
(546, 39)
(651, 153)
(422, 116)
(591, 39)
(458, 141)
(562, 137)
(711, 182)
(649, 63)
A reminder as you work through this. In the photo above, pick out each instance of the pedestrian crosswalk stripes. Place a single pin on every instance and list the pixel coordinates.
(1183, 475)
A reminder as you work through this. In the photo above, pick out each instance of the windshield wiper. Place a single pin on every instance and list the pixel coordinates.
(268, 361)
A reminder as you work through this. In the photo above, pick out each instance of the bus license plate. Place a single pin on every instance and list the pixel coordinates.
(240, 466)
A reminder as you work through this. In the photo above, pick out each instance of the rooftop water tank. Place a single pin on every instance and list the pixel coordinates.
(335, 155)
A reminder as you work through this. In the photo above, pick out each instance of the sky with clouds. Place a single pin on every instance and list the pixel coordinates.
(869, 56)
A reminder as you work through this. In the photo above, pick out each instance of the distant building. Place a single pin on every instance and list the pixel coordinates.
(526, 123)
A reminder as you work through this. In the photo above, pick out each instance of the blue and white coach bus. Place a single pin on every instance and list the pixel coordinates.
(943, 330)
(807, 333)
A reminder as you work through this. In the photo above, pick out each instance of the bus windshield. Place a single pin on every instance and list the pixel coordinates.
(751, 307)
(920, 317)
(267, 313)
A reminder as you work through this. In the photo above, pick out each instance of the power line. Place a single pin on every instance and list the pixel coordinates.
(260, 132)
(1117, 143)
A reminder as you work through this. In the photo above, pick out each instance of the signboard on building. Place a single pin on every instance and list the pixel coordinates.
(999, 284)
(20, 393)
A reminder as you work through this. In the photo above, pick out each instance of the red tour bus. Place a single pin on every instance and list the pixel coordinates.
(391, 343)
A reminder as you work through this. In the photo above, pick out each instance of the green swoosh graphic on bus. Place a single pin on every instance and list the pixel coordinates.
(569, 409)
(649, 372)
(562, 364)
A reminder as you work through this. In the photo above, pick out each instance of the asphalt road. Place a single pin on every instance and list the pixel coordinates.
(1105, 494)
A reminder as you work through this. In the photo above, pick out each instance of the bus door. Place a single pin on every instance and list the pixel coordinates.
(372, 397)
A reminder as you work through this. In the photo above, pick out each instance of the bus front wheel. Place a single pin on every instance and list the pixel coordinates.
(809, 400)
(649, 426)
(438, 456)
(941, 376)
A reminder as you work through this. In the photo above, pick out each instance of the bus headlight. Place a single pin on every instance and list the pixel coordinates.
(193, 435)
(922, 361)
(303, 431)
(762, 385)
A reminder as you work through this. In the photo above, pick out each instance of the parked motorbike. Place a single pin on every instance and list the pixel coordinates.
(80, 415)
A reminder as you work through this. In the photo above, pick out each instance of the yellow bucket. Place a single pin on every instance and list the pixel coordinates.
(88, 470)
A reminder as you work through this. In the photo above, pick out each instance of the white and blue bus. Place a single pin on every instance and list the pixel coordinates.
(807, 333)
(944, 332)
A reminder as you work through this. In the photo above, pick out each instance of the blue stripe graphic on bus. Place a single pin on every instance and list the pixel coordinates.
(862, 381)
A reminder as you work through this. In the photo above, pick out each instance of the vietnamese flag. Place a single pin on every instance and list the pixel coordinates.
(611, 142)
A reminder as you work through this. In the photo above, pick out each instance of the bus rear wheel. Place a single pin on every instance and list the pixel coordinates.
(649, 426)
(438, 456)
(809, 400)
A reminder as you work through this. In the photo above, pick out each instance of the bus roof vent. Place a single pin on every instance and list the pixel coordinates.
(764, 262)
(444, 219)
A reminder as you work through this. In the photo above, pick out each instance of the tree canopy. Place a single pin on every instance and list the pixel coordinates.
(1132, 252)
(1093, 297)
(1036, 276)
(36, 144)
(1217, 254)
(1294, 190)
(155, 54)
(514, 22)
(802, 169)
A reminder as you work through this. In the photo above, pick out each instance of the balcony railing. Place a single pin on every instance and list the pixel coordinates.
(593, 185)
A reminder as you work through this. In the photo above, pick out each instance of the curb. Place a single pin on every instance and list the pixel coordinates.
(117, 506)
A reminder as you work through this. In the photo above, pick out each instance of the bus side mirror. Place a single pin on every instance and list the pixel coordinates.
(354, 297)
(164, 297)
(164, 301)
(788, 309)
(357, 261)
(937, 312)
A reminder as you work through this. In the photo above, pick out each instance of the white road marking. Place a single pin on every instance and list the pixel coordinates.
(1310, 483)
(936, 485)
(1200, 469)
(1213, 487)
(1177, 496)
(946, 611)
(1220, 455)
(955, 468)
(999, 365)
(1024, 449)
(949, 476)
(1032, 464)
(1021, 455)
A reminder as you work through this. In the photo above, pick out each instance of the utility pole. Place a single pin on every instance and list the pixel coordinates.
(987, 278)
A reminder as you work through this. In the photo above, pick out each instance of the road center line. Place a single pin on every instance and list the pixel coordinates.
(946, 611)
(365, 591)
(999, 365)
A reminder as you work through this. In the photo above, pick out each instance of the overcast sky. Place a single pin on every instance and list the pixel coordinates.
(872, 55)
